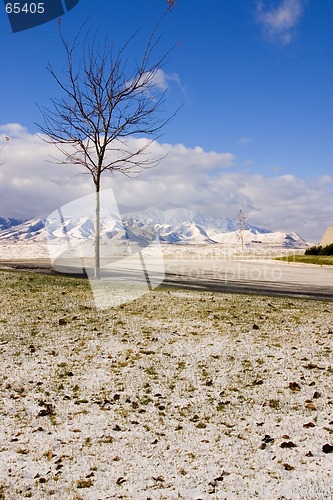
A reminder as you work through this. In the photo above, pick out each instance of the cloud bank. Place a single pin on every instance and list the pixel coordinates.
(209, 182)
(279, 23)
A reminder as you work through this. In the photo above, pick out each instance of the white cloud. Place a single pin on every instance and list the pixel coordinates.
(159, 80)
(205, 181)
(30, 185)
(12, 129)
(245, 140)
(162, 79)
(279, 22)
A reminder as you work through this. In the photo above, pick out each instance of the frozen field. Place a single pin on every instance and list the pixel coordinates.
(179, 394)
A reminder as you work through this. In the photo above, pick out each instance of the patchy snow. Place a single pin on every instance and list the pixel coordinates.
(12, 251)
(231, 250)
(176, 395)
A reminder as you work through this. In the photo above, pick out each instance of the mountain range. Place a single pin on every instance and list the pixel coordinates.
(177, 226)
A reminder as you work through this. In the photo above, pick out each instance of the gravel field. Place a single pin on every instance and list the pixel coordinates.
(177, 395)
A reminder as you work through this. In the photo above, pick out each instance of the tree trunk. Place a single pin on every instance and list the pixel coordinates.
(97, 263)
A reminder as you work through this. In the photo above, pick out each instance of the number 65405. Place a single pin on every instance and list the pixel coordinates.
(27, 8)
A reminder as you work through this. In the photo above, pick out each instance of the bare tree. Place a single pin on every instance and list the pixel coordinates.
(241, 220)
(104, 103)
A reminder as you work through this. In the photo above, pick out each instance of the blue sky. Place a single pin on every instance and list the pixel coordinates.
(256, 82)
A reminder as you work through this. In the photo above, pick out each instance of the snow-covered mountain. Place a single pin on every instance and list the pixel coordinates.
(185, 226)
(171, 226)
(8, 223)
(33, 229)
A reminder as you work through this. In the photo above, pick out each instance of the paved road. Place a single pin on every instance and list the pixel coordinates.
(252, 276)
(230, 276)
(254, 287)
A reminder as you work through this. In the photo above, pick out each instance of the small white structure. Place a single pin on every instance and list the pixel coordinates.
(327, 238)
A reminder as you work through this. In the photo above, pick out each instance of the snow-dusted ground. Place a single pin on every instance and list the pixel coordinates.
(175, 395)
(23, 251)
(39, 250)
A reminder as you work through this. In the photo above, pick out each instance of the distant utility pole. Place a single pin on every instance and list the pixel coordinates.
(241, 219)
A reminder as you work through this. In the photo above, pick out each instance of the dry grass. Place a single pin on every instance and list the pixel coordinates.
(320, 260)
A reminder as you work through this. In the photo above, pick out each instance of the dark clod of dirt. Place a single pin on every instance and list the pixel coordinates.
(268, 439)
(294, 386)
(312, 366)
(47, 411)
(288, 467)
(327, 448)
(308, 425)
(120, 480)
(288, 444)
(158, 478)
(258, 382)
(310, 406)
(214, 482)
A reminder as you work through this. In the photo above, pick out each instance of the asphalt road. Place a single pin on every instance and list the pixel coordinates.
(252, 287)
(262, 277)
(266, 277)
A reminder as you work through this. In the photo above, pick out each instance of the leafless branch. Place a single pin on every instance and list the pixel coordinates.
(102, 104)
